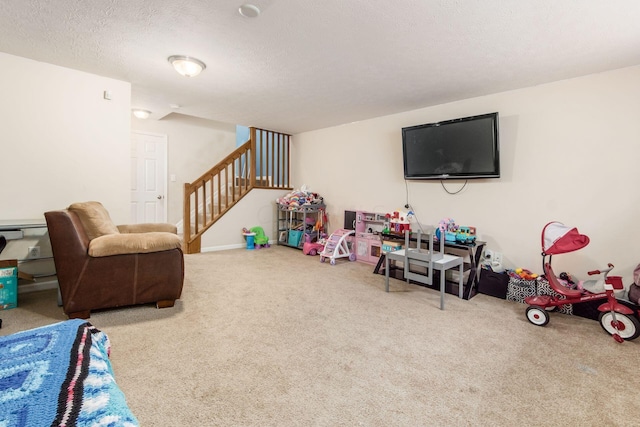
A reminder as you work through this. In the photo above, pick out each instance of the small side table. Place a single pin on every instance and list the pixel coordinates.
(445, 263)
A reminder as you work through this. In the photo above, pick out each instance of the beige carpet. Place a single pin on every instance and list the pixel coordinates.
(275, 338)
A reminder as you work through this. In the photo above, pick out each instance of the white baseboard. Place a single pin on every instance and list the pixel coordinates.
(37, 286)
(227, 247)
(221, 248)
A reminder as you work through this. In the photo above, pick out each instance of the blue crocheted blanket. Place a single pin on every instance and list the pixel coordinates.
(60, 375)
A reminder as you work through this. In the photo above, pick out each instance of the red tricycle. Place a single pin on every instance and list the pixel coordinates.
(617, 319)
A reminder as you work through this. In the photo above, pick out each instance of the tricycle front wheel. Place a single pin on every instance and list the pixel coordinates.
(628, 327)
(537, 315)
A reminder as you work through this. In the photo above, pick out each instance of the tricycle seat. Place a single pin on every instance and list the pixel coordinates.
(557, 286)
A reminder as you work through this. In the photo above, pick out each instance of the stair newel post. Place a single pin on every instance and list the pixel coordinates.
(186, 219)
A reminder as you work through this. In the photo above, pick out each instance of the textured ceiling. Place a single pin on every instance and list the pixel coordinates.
(309, 64)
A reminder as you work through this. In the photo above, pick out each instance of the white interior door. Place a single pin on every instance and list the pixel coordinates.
(148, 177)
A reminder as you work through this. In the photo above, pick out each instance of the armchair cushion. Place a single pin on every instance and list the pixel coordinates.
(94, 218)
(147, 227)
(133, 243)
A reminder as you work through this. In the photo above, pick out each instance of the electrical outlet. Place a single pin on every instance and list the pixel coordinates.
(34, 252)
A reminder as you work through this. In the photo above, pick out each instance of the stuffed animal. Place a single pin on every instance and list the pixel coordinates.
(634, 290)
(297, 198)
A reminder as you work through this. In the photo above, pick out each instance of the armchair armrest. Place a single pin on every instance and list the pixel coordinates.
(133, 243)
(147, 227)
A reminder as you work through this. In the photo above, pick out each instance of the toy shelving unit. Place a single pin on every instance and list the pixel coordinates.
(338, 246)
(295, 222)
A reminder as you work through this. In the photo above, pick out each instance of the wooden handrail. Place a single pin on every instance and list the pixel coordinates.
(261, 162)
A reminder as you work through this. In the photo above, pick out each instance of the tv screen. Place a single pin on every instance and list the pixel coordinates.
(453, 149)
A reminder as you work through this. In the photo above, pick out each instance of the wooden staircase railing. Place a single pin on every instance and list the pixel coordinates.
(261, 162)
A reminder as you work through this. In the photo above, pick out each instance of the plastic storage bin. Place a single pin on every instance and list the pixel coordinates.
(295, 236)
(8, 284)
(494, 284)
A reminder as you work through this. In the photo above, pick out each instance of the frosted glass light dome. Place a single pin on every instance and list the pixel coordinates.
(186, 65)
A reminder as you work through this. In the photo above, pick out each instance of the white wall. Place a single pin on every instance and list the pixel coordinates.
(256, 209)
(193, 146)
(569, 152)
(61, 142)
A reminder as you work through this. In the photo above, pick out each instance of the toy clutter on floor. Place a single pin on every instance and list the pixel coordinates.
(313, 248)
(256, 238)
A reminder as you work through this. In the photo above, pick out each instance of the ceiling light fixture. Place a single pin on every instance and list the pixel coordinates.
(186, 65)
(141, 114)
(249, 10)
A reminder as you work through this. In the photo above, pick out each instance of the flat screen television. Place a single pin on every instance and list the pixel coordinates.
(453, 149)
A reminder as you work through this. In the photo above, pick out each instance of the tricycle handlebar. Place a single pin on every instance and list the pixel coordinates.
(606, 270)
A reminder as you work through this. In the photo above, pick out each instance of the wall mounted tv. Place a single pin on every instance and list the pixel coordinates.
(453, 149)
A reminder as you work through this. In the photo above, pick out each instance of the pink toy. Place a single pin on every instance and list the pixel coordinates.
(338, 246)
(312, 248)
(399, 221)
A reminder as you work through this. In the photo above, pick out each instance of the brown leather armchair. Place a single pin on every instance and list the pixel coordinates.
(99, 265)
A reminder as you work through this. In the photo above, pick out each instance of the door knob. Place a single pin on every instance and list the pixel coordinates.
(159, 197)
